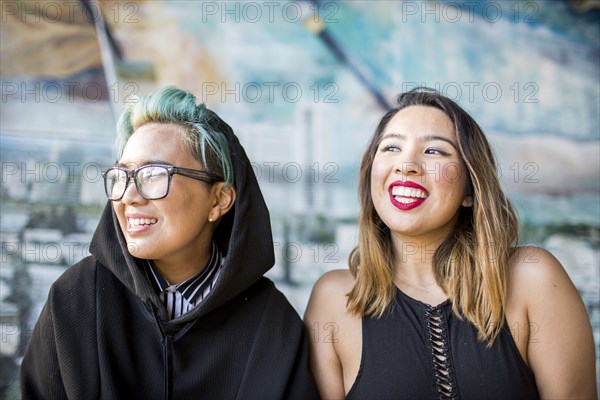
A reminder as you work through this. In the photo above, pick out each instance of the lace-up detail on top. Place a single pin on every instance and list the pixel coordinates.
(417, 351)
(437, 331)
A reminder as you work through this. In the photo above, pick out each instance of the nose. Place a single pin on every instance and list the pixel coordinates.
(131, 195)
(408, 168)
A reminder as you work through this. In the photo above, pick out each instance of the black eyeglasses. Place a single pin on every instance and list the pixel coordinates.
(152, 181)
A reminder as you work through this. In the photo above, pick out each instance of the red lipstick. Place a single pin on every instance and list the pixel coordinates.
(404, 194)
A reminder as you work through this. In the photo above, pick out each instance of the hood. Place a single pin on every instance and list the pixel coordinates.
(243, 236)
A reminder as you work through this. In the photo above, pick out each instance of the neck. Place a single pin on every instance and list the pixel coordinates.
(176, 271)
(413, 261)
(414, 257)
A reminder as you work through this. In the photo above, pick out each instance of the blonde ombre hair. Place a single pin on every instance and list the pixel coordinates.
(471, 264)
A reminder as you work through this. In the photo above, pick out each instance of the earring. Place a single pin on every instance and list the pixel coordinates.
(210, 219)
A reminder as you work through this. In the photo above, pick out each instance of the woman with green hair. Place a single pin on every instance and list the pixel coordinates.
(172, 302)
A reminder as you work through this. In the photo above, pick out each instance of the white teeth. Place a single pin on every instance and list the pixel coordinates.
(141, 221)
(408, 192)
(404, 200)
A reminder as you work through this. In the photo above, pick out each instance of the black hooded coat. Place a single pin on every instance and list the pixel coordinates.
(104, 333)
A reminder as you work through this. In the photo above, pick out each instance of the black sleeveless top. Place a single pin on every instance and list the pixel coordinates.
(418, 351)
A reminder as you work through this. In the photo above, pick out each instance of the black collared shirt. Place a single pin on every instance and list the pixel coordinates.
(183, 297)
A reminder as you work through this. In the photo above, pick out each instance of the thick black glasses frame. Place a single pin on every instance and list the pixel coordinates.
(204, 176)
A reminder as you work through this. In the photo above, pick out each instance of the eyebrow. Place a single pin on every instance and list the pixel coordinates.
(142, 163)
(426, 138)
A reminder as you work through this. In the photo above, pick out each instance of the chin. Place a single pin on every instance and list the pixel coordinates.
(133, 248)
(138, 250)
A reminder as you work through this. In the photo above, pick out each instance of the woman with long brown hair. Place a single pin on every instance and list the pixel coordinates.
(439, 302)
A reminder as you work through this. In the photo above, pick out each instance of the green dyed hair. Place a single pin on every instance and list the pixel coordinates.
(199, 127)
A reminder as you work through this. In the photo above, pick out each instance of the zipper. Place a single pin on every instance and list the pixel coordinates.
(168, 366)
(167, 343)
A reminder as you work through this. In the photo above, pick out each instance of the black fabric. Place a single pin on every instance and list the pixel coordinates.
(104, 333)
(397, 359)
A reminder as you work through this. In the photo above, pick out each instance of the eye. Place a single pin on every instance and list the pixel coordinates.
(150, 174)
(390, 147)
(433, 150)
(119, 177)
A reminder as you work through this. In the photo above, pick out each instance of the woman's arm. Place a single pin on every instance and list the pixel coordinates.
(561, 349)
(323, 311)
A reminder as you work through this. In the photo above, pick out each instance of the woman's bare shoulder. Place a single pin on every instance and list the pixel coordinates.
(560, 348)
(534, 267)
(336, 279)
(536, 280)
(329, 294)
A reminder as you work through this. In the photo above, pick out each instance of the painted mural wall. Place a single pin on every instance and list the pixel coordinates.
(303, 84)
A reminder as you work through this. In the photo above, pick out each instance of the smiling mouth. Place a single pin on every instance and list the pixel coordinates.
(137, 222)
(408, 195)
